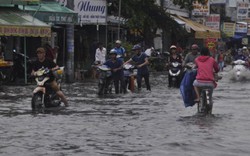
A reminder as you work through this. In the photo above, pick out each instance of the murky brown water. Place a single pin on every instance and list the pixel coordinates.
(141, 124)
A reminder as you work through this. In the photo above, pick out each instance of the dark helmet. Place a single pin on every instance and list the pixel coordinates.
(136, 47)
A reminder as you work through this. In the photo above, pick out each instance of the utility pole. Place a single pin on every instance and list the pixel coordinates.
(119, 18)
(70, 47)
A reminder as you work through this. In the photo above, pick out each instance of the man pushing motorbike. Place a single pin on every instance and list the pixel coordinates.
(43, 62)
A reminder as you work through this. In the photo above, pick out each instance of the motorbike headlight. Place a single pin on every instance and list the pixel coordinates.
(59, 72)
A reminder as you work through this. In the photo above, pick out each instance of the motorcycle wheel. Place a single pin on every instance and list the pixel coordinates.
(101, 87)
(37, 101)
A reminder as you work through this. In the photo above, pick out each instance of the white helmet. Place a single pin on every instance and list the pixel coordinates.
(118, 41)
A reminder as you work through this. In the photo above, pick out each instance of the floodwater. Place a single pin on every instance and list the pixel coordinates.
(141, 124)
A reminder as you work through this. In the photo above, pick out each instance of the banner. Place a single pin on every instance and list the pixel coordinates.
(213, 21)
(229, 29)
(91, 11)
(25, 31)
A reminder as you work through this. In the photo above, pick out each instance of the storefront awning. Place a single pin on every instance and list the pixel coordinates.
(201, 31)
(14, 22)
(52, 12)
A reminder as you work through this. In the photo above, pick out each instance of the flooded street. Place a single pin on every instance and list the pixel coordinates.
(152, 123)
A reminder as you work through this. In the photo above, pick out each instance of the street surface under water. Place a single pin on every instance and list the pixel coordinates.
(141, 124)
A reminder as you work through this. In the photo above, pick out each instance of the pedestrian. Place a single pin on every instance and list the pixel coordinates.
(116, 66)
(55, 53)
(100, 58)
(141, 61)
(121, 52)
(100, 54)
(220, 59)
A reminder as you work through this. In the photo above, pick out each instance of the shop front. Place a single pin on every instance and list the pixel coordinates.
(15, 27)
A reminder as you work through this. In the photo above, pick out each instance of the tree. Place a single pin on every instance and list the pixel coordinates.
(146, 17)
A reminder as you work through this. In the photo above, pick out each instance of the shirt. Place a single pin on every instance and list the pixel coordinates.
(100, 55)
(190, 58)
(140, 59)
(120, 51)
(45, 64)
(206, 68)
(115, 64)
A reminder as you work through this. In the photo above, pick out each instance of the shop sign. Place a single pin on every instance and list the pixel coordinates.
(229, 29)
(91, 11)
(213, 21)
(200, 9)
(25, 31)
(217, 1)
(62, 2)
(242, 11)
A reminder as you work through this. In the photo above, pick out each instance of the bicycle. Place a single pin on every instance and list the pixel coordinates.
(205, 105)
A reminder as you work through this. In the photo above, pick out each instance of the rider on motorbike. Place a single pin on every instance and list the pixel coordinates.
(190, 57)
(206, 67)
(116, 66)
(174, 57)
(43, 62)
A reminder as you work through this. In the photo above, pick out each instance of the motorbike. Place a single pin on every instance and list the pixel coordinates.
(158, 60)
(175, 69)
(239, 70)
(105, 80)
(43, 95)
(129, 77)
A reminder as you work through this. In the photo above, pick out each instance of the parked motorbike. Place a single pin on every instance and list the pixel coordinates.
(129, 77)
(175, 69)
(239, 70)
(43, 95)
(105, 81)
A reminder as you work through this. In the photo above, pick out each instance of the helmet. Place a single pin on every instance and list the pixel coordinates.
(136, 47)
(118, 42)
(194, 46)
(173, 47)
(112, 51)
(244, 48)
